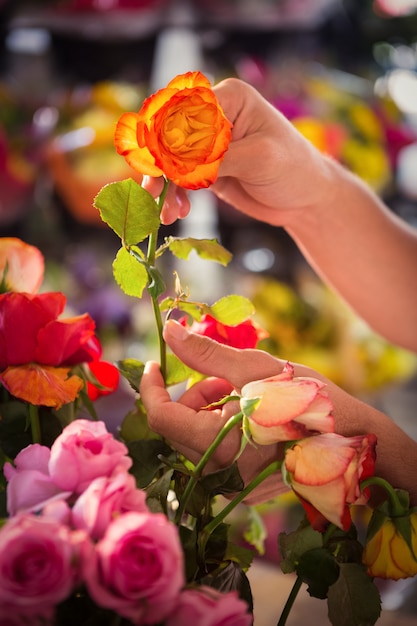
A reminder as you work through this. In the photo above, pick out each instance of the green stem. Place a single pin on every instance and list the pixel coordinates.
(153, 237)
(397, 507)
(290, 601)
(216, 521)
(231, 423)
(35, 424)
(152, 243)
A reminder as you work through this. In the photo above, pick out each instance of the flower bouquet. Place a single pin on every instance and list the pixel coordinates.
(113, 529)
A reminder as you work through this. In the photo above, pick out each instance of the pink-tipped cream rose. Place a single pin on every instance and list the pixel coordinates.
(286, 407)
(325, 471)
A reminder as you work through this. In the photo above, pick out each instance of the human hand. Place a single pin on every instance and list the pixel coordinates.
(190, 427)
(270, 171)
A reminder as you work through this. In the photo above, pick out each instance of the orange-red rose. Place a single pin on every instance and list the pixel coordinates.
(243, 335)
(38, 350)
(180, 132)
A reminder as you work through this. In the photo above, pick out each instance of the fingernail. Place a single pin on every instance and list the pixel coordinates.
(175, 330)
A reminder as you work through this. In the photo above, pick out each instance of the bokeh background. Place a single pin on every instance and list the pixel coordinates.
(343, 71)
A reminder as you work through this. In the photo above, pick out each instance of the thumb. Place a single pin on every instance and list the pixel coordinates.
(215, 359)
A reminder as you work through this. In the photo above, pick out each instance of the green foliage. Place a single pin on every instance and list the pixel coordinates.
(229, 310)
(129, 210)
(293, 545)
(353, 600)
(255, 533)
(146, 459)
(232, 310)
(319, 570)
(132, 370)
(209, 249)
(131, 276)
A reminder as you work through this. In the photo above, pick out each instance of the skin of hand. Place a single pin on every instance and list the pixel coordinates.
(191, 428)
(346, 233)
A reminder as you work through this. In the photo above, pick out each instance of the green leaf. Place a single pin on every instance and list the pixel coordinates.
(224, 481)
(176, 371)
(157, 493)
(231, 578)
(188, 538)
(209, 249)
(135, 425)
(255, 534)
(129, 210)
(131, 275)
(354, 599)
(132, 370)
(249, 405)
(146, 463)
(319, 570)
(232, 310)
(156, 282)
(293, 545)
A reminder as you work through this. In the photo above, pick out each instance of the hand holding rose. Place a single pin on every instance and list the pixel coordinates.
(191, 428)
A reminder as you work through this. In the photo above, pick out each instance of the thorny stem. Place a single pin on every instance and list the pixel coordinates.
(211, 526)
(231, 423)
(152, 243)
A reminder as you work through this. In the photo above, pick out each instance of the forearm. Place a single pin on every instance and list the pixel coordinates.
(396, 452)
(366, 253)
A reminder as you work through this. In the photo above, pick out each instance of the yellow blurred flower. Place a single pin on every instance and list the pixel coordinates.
(388, 555)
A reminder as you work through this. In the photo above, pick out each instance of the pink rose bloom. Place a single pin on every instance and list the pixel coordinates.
(30, 487)
(325, 472)
(289, 407)
(85, 450)
(11, 615)
(39, 562)
(208, 607)
(138, 568)
(104, 499)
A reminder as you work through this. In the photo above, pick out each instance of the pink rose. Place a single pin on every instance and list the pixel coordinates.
(138, 568)
(325, 472)
(30, 487)
(104, 499)
(207, 607)
(39, 562)
(289, 407)
(85, 450)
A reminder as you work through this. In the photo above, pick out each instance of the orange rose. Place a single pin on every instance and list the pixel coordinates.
(180, 132)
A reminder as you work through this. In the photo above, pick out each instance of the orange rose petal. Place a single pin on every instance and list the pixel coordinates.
(126, 142)
(203, 176)
(319, 460)
(155, 102)
(189, 80)
(42, 386)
